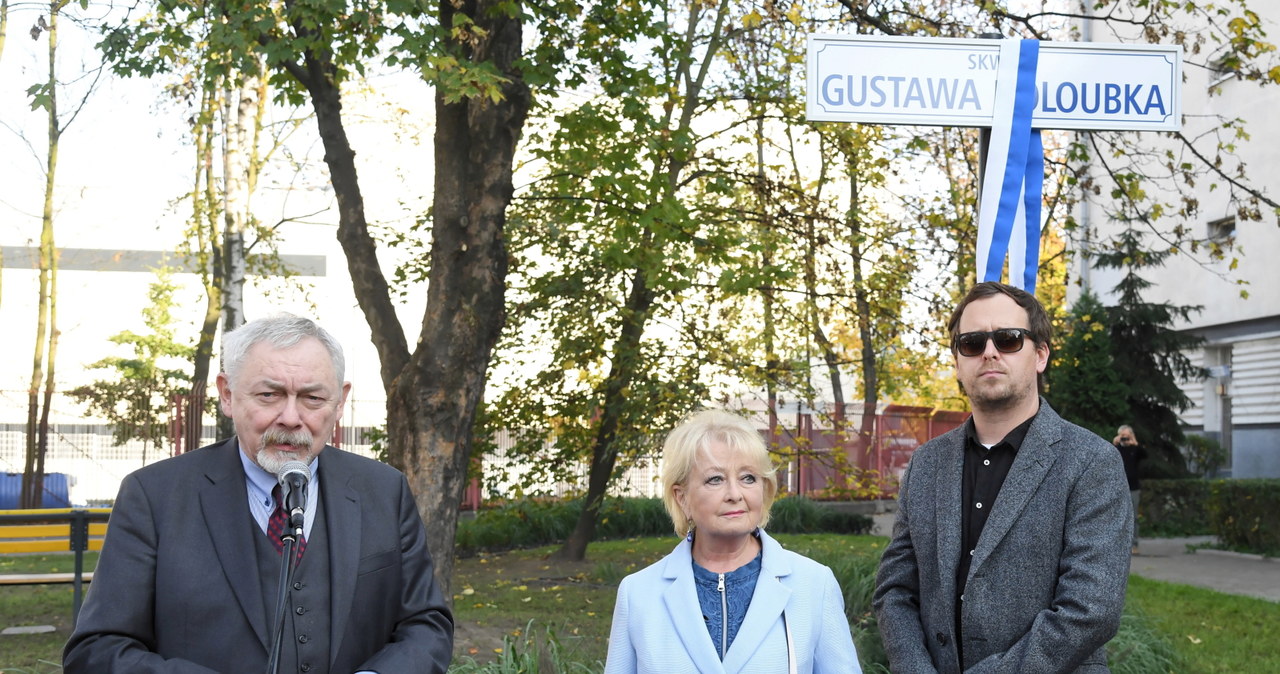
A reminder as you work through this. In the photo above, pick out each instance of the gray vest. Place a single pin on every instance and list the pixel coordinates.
(304, 644)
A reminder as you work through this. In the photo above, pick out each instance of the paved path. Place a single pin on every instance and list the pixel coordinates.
(1168, 559)
(1234, 573)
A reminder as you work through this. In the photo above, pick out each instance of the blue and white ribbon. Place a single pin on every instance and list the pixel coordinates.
(1009, 212)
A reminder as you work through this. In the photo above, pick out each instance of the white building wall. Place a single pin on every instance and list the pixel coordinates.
(1240, 294)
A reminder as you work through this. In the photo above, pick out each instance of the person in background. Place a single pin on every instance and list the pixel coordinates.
(728, 598)
(188, 578)
(1009, 552)
(1131, 453)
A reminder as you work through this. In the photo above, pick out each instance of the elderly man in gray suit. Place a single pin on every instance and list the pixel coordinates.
(1010, 552)
(189, 577)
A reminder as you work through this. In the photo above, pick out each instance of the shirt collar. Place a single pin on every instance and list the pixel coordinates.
(260, 481)
(1012, 441)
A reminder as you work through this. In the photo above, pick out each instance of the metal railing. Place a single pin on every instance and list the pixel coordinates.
(41, 530)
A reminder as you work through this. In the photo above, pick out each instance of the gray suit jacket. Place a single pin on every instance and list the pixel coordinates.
(1047, 582)
(176, 588)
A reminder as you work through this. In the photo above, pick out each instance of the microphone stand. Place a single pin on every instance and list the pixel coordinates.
(287, 561)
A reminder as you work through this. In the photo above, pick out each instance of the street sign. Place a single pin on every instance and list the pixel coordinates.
(952, 82)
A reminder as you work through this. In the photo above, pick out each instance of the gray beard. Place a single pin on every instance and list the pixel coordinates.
(272, 462)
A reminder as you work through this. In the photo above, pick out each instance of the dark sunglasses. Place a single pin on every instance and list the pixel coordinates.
(1007, 340)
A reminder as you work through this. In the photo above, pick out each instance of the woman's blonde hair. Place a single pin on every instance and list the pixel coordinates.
(694, 435)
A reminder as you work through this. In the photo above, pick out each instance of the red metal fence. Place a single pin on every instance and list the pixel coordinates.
(831, 460)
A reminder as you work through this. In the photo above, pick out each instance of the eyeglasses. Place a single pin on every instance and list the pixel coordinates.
(1007, 340)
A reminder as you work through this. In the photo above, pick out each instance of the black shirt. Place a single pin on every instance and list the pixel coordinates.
(984, 474)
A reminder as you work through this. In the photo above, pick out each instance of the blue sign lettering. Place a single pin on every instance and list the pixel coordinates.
(1111, 98)
(900, 92)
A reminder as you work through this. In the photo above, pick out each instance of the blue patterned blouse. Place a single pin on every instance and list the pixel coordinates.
(724, 610)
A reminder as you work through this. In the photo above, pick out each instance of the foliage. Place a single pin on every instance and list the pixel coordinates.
(1242, 514)
(1138, 647)
(1205, 455)
(139, 397)
(527, 653)
(623, 238)
(1174, 508)
(796, 514)
(1150, 355)
(1084, 385)
(531, 522)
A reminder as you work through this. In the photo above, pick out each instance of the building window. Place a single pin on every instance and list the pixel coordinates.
(1222, 67)
(1222, 230)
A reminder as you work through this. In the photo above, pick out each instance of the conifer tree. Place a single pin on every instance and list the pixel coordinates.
(1083, 384)
(1149, 354)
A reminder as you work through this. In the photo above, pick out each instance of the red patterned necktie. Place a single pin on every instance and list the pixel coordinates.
(276, 526)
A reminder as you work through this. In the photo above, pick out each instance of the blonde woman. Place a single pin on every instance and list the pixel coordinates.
(728, 598)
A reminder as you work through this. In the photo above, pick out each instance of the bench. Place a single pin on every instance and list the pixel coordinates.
(53, 530)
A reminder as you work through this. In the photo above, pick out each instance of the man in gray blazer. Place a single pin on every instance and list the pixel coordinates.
(1010, 552)
(189, 577)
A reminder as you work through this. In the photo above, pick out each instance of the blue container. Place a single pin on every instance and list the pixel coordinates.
(56, 493)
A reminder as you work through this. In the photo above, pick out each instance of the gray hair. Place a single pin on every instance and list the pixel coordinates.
(280, 331)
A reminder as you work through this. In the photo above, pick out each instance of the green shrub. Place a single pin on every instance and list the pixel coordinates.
(1138, 648)
(799, 515)
(530, 522)
(1174, 508)
(1205, 455)
(1243, 514)
(527, 654)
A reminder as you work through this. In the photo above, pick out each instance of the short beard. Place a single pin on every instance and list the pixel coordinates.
(272, 462)
(998, 401)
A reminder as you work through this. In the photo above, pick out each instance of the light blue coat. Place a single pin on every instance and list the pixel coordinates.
(658, 626)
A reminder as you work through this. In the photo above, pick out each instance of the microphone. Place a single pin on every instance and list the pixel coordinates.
(294, 477)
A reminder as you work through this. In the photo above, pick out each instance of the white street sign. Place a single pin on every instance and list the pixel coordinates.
(952, 82)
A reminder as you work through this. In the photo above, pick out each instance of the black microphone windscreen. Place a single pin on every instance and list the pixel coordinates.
(294, 477)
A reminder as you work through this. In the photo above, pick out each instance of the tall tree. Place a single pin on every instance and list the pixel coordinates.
(40, 394)
(630, 216)
(471, 52)
(138, 394)
(1084, 384)
(1150, 354)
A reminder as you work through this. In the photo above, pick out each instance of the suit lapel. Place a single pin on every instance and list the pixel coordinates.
(225, 505)
(1035, 458)
(341, 503)
(948, 490)
(681, 599)
(767, 603)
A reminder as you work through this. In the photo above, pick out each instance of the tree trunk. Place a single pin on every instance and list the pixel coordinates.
(603, 454)
(4, 24)
(237, 123)
(209, 258)
(46, 326)
(640, 299)
(870, 372)
(771, 362)
(432, 395)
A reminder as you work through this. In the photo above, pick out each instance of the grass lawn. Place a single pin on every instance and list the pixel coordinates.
(36, 605)
(1211, 631)
(508, 595)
